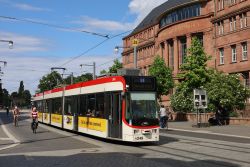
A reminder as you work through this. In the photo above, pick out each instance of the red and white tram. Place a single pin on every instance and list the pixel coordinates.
(116, 107)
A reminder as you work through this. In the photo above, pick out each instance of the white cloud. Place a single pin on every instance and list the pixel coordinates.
(108, 25)
(140, 8)
(30, 69)
(22, 43)
(28, 7)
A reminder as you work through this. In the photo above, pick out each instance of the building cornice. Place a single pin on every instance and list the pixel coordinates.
(131, 50)
(230, 14)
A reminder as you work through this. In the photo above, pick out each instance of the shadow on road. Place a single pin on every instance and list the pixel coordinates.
(105, 159)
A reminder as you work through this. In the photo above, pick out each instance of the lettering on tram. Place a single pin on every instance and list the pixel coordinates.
(114, 107)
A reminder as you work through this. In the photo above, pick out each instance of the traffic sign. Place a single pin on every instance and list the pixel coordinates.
(135, 42)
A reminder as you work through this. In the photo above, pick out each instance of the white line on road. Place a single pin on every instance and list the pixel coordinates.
(208, 132)
(11, 137)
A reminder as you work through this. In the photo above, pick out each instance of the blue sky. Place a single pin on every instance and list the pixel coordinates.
(38, 47)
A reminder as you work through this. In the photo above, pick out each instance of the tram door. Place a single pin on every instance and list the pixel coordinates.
(115, 123)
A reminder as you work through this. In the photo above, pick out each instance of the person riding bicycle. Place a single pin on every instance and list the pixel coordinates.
(34, 116)
(16, 113)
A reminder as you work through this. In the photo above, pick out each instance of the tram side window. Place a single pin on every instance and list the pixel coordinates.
(39, 106)
(48, 106)
(91, 110)
(99, 105)
(57, 106)
(70, 106)
(83, 105)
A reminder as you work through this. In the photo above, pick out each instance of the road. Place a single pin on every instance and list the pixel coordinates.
(54, 147)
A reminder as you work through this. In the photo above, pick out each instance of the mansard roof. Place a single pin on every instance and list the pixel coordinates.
(152, 18)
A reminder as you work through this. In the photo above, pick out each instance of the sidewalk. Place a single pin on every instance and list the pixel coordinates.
(234, 130)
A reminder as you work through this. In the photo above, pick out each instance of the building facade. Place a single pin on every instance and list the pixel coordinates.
(221, 25)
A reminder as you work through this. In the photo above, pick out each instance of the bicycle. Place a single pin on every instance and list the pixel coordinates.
(15, 120)
(34, 125)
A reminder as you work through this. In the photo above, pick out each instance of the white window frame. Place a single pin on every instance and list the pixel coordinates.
(231, 24)
(221, 51)
(244, 50)
(234, 23)
(234, 54)
(222, 27)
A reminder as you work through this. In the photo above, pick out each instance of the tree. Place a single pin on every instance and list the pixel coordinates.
(21, 89)
(163, 76)
(26, 97)
(1, 94)
(226, 91)
(194, 74)
(84, 77)
(50, 81)
(6, 98)
(113, 69)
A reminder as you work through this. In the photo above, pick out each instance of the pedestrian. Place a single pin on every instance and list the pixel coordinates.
(16, 113)
(163, 117)
(7, 110)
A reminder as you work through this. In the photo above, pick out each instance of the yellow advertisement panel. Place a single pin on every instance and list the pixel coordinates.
(97, 124)
(40, 115)
(56, 118)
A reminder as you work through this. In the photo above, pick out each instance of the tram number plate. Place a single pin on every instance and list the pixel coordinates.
(139, 138)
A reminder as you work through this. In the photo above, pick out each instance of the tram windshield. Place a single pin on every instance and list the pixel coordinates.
(142, 110)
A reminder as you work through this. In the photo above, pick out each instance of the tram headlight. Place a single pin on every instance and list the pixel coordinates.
(136, 131)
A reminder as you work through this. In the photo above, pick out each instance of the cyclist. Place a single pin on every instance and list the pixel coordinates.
(34, 116)
(16, 113)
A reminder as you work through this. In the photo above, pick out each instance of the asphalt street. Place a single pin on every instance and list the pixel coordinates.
(55, 147)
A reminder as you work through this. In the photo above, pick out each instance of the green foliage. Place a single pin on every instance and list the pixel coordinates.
(21, 89)
(22, 97)
(50, 81)
(233, 114)
(224, 91)
(194, 70)
(117, 65)
(83, 77)
(163, 76)
(113, 69)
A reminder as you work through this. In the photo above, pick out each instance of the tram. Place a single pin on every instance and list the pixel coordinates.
(114, 107)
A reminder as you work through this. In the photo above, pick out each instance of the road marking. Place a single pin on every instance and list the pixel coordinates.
(208, 132)
(11, 137)
(5, 138)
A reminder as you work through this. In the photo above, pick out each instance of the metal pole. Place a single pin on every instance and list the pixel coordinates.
(93, 70)
(72, 78)
(135, 57)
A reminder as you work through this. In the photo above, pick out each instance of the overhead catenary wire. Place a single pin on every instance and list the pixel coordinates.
(54, 26)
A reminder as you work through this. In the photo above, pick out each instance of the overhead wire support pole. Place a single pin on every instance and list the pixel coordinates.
(94, 70)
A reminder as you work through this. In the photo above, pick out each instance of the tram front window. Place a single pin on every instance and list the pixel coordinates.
(142, 109)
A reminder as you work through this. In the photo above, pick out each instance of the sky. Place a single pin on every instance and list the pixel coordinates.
(63, 33)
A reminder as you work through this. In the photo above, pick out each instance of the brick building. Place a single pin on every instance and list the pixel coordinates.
(221, 25)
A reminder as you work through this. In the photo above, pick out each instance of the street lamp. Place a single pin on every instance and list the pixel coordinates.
(94, 76)
(11, 43)
(135, 43)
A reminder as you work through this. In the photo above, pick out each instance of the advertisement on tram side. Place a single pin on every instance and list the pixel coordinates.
(56, 120)
(68, 122)
(96, 124)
